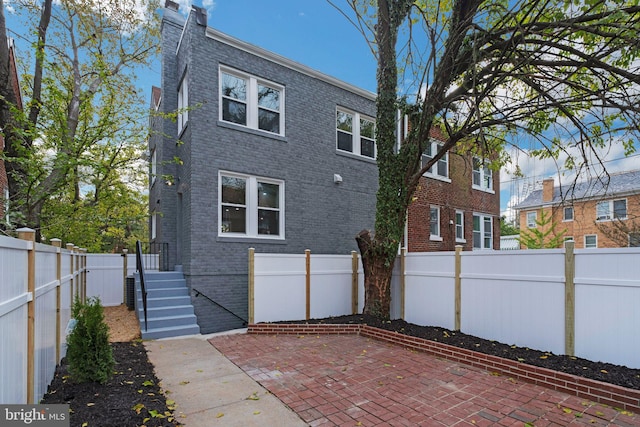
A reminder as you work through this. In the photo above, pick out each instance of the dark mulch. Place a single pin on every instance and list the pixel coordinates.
(606, 372)
(130, 398)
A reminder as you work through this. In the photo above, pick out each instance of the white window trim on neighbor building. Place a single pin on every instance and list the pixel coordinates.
(434, 170)
(434, 232)
(532, 217)
(484, 232)
(565, 217)
(460, 227)
(252, 100)
(251, 206)
(154, 166)
(591, 245)
(605, 211)
(482, 176)
(355, 133)
(154, 225)
(183, 104)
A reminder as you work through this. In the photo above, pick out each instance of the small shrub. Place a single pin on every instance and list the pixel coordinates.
(89, 353)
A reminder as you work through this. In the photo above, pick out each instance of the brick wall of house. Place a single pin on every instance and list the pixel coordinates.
(449, 197)
(584, 222)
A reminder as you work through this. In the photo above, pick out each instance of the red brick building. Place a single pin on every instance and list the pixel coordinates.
(457, 202)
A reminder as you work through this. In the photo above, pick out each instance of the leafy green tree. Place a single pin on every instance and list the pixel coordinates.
(507, 228)
(562, 73)
(83, 130)
(544, 235)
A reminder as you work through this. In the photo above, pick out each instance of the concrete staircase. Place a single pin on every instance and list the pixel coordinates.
(169, 309)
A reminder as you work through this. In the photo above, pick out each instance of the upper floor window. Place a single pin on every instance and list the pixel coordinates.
(532, 217)
(460, 226)
(482, 232)
(250, 206)
(355, 133)
(441, 167)
(568, 214)
(154, 166)
(611, 209)
(434, 223)
(482, 175)
(251, 102)
(183, 104)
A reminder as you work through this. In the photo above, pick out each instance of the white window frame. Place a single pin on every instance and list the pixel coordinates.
(594, 245)
(251, 206)
(356, 137)
(154, 225)
(532, 224)
(460, 226)
(154, 165)
(564, 214)
(183, 104)
(435, 237)
(484, 175)
(483, 220)
(610, 214)
(252, 100)
(432, 172)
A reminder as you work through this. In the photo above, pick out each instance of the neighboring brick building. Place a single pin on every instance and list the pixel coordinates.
(456, 203)
(603, 212)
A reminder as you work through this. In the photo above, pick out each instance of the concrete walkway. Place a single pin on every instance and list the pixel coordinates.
(209, 390)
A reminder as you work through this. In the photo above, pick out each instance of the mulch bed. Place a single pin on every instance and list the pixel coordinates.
(130, 398)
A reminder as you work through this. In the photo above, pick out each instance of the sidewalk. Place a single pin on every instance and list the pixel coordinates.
(209, 390)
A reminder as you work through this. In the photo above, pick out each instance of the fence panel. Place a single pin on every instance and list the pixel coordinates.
(105, 277)
(330, 285)
(13, 325)
(607, 305)
(279, 290)
(515, 297)
(429, 289)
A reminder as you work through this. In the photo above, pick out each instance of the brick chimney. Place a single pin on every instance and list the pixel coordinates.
(547, 190)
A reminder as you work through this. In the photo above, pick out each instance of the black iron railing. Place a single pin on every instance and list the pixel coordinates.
(245, 322)
(156, 256)
(143, 289)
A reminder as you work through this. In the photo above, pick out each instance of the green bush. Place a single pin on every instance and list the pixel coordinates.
(89, 353)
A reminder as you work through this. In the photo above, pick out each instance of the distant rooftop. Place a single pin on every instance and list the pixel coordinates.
(599, 187)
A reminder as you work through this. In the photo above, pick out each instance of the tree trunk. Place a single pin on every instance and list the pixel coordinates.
(378, 268)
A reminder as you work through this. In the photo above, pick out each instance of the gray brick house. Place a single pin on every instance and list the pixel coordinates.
(263, 152)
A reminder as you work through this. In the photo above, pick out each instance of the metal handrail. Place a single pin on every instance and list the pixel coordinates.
(198, 293)
(140, 268)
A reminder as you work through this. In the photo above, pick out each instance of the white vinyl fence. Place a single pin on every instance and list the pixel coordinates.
(584, 303)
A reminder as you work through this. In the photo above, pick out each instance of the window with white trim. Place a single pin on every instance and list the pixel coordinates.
(355, 133)
(252, 102)
(611, 209)
(440, 169)
(591, 241)
(568, 214)
(250, 206)
(460, 227)
(532, 217)
(434, 223)
(154, 166)
(154, 225)
(183, 104)
(482, 175)
(482, 232)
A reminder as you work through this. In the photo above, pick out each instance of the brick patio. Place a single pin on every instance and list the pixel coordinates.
(353, 380)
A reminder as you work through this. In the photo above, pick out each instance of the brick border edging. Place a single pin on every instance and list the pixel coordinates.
(597, 391)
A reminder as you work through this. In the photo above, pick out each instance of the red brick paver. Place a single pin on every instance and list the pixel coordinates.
(350, 380)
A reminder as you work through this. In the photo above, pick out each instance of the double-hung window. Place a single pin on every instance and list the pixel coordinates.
(154, 166)
(482, 175)
(251, 206)
(532, 217)
(252, 102)
(568, 214)
(591, 241)
(183, 104)
(611, 209)
(355, 133)
(434, 223)
(460, 227)
(482, 232)
(440, 169)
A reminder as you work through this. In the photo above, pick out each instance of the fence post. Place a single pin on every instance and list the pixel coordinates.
(354, 282)
(403, 254)
(125, 269)
(252, 285)
(72, 280)
(458, 287)
(57, 243)
(307, 253)
(569, 299)
(30, 236)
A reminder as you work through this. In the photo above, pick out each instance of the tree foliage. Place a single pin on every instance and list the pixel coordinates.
(545, 235)
(76, 150)
(563, 74)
